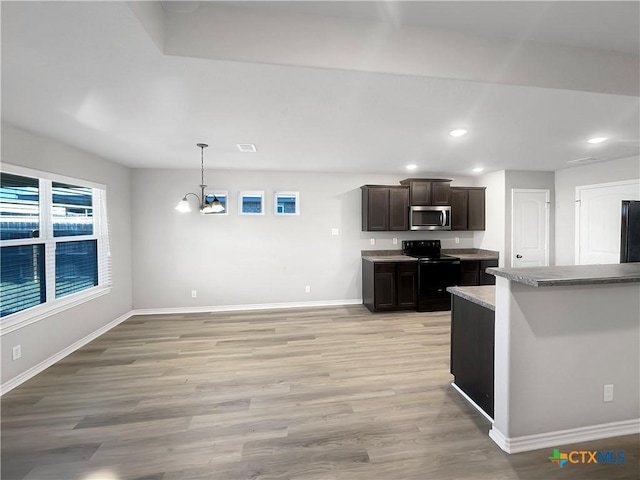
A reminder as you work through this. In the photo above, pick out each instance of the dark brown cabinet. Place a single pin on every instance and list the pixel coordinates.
(473, 272)
(468, 208)
(473, 351)
(385, 208)
(389, 286)
(428, 191)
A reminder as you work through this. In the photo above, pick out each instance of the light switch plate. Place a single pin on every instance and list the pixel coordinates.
(335, 231)
(608, 393)
(373, 241)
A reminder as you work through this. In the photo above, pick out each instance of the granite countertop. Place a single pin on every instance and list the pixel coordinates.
(471, 253)
(571, 274)
(397, 256)
(389, 258)
(484, 295)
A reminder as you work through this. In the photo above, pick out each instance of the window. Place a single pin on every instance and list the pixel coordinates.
(251, 203)
(287, 203)
(222, 197)
(54, 240)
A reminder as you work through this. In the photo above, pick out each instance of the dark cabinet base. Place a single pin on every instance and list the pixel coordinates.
(472, 351)
(389, 286)
(474, 272)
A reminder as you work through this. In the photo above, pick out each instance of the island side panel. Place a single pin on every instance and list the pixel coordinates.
(556, 347)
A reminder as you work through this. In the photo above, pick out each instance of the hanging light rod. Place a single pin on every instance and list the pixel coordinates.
(206, 206)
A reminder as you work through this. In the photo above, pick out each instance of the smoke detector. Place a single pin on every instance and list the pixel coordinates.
(246, 147)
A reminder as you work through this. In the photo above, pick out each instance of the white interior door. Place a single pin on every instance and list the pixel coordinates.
(598, 215)
(529, 228)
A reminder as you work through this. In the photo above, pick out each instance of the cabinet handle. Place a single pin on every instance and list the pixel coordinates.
(518, 256)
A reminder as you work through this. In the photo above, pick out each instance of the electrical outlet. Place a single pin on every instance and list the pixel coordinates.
(608, 393)
(457, 239)
(395, 241)
(16, 352)
(307, 289)
(335, 231)
(194, 294)
(373, 241)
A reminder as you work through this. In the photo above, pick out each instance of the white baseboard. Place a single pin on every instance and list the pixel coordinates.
(36, 369)
(251, 306)
(473, 404)
(564, 437)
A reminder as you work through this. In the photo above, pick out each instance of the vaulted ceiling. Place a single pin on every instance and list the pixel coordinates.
(327, 86)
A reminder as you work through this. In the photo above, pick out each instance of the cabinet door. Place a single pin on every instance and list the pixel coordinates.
(459, 204)
(406, 278)
(485, 278)
(385, 286)
(376, 209)
(420, 193)
(476, 209)
(399, 208)
(440, 193)
(470, 273)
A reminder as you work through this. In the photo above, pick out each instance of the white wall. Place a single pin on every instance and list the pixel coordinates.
(566, 182)
(242, 260)
(493, 238)
(47, 337)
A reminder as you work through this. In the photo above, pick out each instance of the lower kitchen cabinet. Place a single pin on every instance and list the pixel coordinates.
(473, 272)
(388, 286)
(472, 351)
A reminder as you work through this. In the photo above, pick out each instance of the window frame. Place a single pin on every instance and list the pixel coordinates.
(251, 193)
(286, 193)
(218, 194)
(53, 305)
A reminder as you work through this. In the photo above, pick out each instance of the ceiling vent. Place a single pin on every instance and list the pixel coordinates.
(582, 161)
(246, 147)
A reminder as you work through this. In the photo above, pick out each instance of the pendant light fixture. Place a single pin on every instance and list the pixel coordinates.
(206, 206)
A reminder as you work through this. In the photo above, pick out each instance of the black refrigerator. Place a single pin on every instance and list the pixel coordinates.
(630, 236)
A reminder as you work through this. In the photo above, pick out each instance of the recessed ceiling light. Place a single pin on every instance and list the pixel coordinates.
(477, 170)
(412, 166)
(246, 147)
(597, 140)
(458, 133)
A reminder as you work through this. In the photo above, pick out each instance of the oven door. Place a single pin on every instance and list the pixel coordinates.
(430, 218)
(434, 276)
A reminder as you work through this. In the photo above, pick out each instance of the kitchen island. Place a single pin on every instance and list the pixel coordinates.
(567, 339)
(472, 344)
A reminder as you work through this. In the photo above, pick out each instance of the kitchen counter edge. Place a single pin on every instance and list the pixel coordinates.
(483, 295)
(570, 275)
(388, 258)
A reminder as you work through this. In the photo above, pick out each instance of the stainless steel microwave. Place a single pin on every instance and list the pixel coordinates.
(430, 218)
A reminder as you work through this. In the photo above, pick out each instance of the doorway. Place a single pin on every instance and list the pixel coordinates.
(529, 227)
(598, 216)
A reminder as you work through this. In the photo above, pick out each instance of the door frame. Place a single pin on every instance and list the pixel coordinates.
(546, 220)
(579, 190)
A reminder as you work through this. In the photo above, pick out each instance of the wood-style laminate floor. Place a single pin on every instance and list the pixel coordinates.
(304, 394)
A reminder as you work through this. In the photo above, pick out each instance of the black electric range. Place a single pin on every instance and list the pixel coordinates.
(436, 272)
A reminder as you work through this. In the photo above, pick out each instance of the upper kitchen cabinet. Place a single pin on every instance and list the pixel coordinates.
(467, 208)
(385, 208)
(428, 191)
